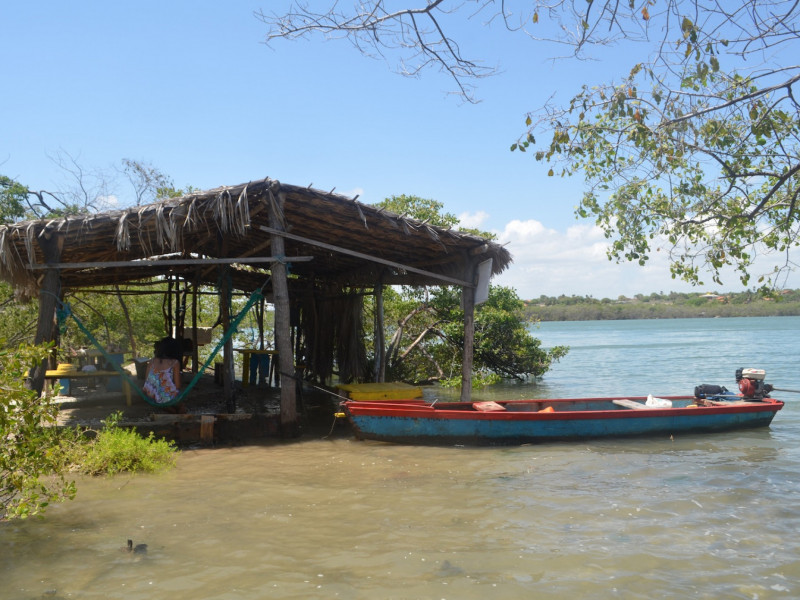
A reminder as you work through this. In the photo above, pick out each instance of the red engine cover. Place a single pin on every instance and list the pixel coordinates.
(747, 387)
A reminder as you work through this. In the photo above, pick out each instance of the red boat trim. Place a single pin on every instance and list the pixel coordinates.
(449, 410)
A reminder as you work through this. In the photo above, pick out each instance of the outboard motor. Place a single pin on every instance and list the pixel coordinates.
(751, 384)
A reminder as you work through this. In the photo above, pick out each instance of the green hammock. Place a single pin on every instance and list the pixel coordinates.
(64, 312)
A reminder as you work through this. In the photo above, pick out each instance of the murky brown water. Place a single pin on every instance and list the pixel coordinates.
(707, 517)
(704, 517)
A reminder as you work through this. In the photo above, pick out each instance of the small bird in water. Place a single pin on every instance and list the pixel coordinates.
(449, 570)
(137, 549)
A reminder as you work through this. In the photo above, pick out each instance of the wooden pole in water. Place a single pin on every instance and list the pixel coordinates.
(195, 351)
(283, 340)
(380, 340)
(227, 359)
(468, 300)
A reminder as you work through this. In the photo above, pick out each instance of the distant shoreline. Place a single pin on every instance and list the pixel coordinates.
(664, 306)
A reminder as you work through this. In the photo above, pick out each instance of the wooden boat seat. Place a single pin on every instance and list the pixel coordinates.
(489, 406)
(629, 404)
(708, 402)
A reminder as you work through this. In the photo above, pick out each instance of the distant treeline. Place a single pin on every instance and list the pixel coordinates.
(664, 306)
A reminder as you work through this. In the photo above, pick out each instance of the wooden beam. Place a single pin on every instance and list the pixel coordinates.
(305, 240)
(167, 262)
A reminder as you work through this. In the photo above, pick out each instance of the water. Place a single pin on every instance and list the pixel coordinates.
(704, 516)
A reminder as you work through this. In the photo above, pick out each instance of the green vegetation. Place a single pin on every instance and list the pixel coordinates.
(664, 306)
(114, 450)
(29, 453)
(36, 456)
(427, 338)
(690, 149)
(426, 327)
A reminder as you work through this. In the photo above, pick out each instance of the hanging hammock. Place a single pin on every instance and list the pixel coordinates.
(64, 312)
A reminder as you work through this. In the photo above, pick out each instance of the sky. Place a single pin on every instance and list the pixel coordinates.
(192, 89)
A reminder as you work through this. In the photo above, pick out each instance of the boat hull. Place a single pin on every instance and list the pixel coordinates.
(522, 422)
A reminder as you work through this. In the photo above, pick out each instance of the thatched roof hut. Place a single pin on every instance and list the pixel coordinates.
(350, 243)
(256, 229)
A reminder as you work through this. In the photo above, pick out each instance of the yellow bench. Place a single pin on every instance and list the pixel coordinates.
(59, 374)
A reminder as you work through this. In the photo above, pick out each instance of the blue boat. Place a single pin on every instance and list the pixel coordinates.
(530, 421)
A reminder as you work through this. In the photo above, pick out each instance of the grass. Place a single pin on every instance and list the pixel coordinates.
(114, 450)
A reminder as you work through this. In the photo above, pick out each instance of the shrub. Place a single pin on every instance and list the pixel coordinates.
(35, 455)
(29, 450)
(115, 450)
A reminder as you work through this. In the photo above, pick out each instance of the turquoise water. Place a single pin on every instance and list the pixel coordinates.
(702, 516)
(663, 357)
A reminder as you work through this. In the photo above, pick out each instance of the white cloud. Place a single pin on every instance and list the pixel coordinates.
(473, 220)
(110, 201)
(353, 193)
(552, 262)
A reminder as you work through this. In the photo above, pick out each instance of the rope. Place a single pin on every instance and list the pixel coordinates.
(254, 297)
(311, 385)
(65, 311)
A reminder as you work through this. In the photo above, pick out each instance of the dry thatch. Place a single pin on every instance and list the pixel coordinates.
(349, 243)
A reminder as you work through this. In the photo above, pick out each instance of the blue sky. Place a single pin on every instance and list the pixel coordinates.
(190, 88)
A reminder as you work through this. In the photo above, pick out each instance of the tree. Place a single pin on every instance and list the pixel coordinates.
(17, 321)
(427, 335)
(694, 151)
(29, 453)
(423, 209)
(85, 191)
(149, 183)
(12, 200)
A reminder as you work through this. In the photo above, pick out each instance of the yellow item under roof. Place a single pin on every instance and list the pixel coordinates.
(380, 391)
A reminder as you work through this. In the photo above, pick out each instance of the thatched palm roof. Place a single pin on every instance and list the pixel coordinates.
(330, 238)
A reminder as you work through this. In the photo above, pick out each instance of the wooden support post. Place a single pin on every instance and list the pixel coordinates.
(207, 429)
(228, 376)
(195, 292)
(168, 324)
(380, 340)
(49, 293)
(260, 310)
(283, 342)
(468, 300)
